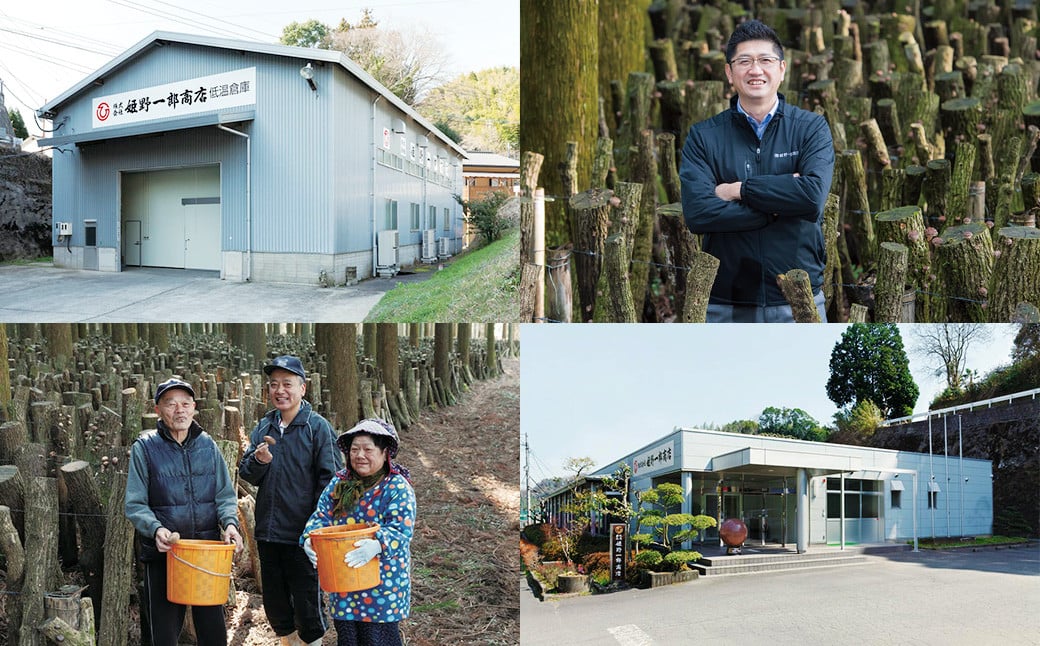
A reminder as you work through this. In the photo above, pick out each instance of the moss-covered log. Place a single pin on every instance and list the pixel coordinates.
(699, 280)
(797, 289)
(591, 210)
(644, 170)
(1014, 272)
(832, 291)
(965, 259)
(559, 45)
(618, 306)
(891, 277)
(622, 44)
(682, 247)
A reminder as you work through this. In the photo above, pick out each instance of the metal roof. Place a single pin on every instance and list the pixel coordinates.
(478, 158)
(158, 38)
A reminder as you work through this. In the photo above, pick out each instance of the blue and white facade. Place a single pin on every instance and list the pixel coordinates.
(260, 162)
(802, 493)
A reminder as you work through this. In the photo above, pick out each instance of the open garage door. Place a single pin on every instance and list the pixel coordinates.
(179, 215)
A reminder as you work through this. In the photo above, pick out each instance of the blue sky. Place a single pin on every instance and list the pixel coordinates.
(476, 34)
(603, 391)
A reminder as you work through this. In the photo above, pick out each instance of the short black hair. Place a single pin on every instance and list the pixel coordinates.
(382, 442)
(752, 30)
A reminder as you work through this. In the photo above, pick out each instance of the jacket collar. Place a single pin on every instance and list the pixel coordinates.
(193, 431)
(781, 104)
(301, 415)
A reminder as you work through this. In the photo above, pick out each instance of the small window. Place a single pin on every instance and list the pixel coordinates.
(933, 499)
(433, 217)
(447, 221)
(897, 499)
(415, 217)
(391, 215)
(90, 234)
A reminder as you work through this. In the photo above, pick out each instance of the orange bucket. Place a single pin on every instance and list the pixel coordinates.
(331, 544)
(198, 573)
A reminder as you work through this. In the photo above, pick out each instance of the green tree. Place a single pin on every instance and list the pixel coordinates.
(449, 131)
(869, 362)
(483, 215)
(1027, 342)
(310, 33)
(743, 426)
(790, 422)
(18, 124)
(482, 106)
(859, 422)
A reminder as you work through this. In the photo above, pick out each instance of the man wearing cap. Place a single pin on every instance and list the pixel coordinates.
(178, 486)
(292, 455)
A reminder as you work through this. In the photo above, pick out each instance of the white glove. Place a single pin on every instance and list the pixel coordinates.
(309, 551)
(365, 550)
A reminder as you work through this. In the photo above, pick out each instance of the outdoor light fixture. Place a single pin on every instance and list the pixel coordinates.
(307, 72)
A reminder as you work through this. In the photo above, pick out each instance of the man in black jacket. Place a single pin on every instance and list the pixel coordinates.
(291, 457)
(754, 183)
(178, 483)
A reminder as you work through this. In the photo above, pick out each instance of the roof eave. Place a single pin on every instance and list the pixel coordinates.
(49, 109)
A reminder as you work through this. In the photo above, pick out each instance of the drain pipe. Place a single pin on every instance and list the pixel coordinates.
(249, 202)
(372, 195)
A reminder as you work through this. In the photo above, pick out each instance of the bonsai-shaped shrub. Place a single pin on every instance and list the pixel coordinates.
(679, 559)
(648, 559)
(654, 505)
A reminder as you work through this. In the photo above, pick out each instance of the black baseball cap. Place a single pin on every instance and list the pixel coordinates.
(173, 383)
(286, 362)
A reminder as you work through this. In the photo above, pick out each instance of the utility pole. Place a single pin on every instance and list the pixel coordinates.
(527, 476)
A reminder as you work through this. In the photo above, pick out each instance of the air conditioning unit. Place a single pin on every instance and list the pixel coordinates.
(386, 253)
(64, 228)
(444, 248)
(429, 246)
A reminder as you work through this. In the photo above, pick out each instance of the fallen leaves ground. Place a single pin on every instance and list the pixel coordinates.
(464, 461)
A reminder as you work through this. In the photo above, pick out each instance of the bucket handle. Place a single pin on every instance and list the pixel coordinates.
(200, 569)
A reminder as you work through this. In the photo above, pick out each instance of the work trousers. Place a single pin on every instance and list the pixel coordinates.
(363, 633)
(718, 313)
(165, 619)
(292, 600)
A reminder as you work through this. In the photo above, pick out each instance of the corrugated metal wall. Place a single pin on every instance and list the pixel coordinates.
(311, 156)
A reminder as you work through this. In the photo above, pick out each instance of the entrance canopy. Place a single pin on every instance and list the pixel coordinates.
(782, 462)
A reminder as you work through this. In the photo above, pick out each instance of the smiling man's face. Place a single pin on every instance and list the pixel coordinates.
(761, 80)
(286, 390)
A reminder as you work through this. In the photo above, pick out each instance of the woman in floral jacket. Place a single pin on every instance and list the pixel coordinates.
(372, 488)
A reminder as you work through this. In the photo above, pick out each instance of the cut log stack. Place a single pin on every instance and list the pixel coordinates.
(64, 453)
(934, 113)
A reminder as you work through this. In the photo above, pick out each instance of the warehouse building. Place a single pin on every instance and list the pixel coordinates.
(802, 493)
(260, 162)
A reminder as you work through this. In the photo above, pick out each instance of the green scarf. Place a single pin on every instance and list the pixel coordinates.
(348, 492)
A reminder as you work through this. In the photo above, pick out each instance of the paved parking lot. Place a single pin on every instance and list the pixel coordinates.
(44, 293)
(942, 598)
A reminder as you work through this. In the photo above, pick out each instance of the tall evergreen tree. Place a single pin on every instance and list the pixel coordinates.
(869, 363)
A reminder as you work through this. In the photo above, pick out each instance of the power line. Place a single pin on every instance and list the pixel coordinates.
(159, 13)
(261, 33)
(54, 41)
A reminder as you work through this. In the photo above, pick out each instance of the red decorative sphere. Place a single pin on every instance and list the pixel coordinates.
(733, 532)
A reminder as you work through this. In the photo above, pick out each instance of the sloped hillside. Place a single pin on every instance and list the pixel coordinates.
(25, 206)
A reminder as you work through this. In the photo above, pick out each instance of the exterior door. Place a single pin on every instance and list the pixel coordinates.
(178, 215)
(201, 247)
(132, 243)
